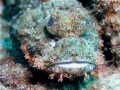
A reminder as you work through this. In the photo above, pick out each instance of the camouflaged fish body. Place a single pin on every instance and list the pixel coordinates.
(60, 38)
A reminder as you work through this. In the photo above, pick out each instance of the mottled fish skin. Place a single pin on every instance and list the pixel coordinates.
(57, 33)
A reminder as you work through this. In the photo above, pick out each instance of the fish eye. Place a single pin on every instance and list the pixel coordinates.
(50, 22)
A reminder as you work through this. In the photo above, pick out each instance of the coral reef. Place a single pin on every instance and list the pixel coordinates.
(107, 79)
(51, 39)
(13, 75)
(58, 43)
(108, 15)
(110, 11)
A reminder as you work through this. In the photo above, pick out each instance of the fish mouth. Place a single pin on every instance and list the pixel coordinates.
(71, 66)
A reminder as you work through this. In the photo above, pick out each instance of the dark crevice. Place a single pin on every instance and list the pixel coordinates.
(107, 46)
(49, 35)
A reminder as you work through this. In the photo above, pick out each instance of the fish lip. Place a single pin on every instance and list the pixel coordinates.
(63, 62)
